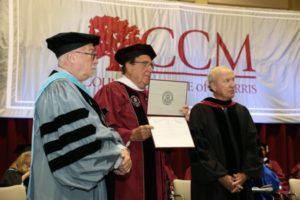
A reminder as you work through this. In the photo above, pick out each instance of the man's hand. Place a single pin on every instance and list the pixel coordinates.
(141, 133)
(239, 179)
(185, 110)
(26, 175)
(233, 183)
(126, 164)
(226, 181)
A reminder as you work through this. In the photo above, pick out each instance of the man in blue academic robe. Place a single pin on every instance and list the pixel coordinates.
(72, 150)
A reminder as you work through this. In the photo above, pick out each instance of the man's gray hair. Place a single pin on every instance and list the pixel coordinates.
(212, 75)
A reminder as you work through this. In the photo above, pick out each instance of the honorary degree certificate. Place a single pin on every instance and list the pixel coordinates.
(166, 98)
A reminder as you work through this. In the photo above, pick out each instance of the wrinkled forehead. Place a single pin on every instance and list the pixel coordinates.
(219, 73)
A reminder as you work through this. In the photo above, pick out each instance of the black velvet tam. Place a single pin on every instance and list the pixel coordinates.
(128, 53)
(62, 43)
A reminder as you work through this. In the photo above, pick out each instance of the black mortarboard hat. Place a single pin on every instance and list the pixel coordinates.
(64, 42)
(21, 148)
(125, 54)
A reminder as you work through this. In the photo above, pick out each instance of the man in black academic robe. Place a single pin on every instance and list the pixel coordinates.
(226, 153)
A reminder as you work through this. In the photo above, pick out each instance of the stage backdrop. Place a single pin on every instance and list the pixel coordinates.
(261, 46)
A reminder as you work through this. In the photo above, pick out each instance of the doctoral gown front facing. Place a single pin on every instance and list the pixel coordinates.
(114, 100)
(226, 143)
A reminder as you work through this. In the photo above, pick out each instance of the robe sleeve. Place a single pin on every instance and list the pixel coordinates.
(114, 100)
(207, 167)
(79, 149)
(279, 172)
(277, 169)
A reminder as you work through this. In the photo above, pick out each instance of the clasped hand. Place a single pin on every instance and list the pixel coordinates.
(233, 183)
(126, 163)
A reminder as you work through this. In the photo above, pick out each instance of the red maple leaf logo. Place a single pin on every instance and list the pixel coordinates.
(114, 34)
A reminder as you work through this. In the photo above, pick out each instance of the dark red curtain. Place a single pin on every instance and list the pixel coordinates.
(12, 132)
(283, 141)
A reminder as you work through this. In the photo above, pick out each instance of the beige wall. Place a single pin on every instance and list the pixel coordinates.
(294, 5)
(201, 1)
(281, 4)
(278, 4)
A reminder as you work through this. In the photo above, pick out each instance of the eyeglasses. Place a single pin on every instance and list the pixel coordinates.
(87, 53)
(146, 64)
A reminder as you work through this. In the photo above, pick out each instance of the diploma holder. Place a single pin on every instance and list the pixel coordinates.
(166, 98)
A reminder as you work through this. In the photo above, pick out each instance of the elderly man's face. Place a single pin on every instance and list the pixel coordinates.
(85, 62)
(140, 71)
(223, 85)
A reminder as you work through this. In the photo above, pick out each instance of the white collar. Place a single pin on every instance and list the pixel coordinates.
(129, 83)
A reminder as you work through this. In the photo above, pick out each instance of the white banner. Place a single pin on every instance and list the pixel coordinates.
(260, 45)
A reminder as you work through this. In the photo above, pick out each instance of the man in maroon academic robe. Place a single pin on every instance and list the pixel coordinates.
(125, 104)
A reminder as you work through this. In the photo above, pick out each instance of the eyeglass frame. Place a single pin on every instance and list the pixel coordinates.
(87, 53)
